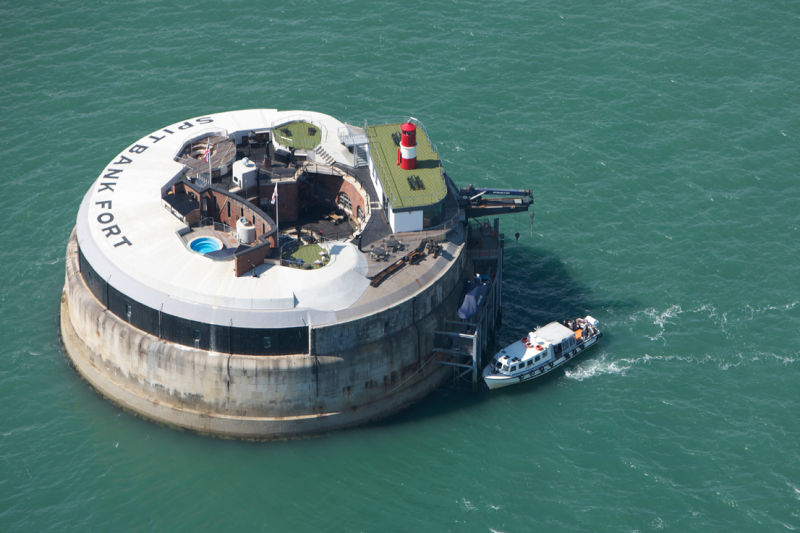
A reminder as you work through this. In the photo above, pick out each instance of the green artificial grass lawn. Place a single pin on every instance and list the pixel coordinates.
(298, 134)
(309, 253)
(396, 181)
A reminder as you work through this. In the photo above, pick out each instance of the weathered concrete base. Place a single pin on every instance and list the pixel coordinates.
(257, 397)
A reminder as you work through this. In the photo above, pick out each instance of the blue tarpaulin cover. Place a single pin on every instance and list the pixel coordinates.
(472, 301)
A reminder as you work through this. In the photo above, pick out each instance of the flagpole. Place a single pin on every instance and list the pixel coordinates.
(277, 222)
(207, 157)
(276, 202)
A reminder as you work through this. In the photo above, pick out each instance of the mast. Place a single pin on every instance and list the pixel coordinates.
(207, 157)
(277, 222)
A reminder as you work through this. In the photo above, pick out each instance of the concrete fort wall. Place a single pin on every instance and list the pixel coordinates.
(382, 354)
(355, 371)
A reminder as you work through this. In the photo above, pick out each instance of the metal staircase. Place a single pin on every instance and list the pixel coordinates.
(360, 153)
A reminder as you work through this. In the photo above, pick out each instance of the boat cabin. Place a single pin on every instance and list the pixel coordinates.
(540, 347)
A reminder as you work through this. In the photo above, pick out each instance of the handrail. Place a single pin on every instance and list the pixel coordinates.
(218, 226)
(430, 141)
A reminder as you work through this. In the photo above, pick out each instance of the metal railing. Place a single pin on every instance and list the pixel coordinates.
(218, 226)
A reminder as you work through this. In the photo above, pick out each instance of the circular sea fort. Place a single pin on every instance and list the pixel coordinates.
(266, 274)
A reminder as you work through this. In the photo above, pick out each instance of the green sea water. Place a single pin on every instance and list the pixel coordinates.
(661, 142)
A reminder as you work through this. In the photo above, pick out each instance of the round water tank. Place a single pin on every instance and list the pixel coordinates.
(245, 231)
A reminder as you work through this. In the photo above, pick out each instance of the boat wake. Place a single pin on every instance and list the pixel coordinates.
(658, 324)
(602, 365)
(659, 319)
(598, 367)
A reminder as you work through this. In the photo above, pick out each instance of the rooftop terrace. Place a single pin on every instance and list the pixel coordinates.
(135, 242)
(298, 134)
(407, 189)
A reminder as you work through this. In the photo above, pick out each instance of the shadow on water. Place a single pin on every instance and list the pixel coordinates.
(538, 288)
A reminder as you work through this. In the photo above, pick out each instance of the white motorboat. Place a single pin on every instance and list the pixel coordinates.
(542, 351)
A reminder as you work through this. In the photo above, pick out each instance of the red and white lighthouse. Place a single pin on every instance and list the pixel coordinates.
(407, 153)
